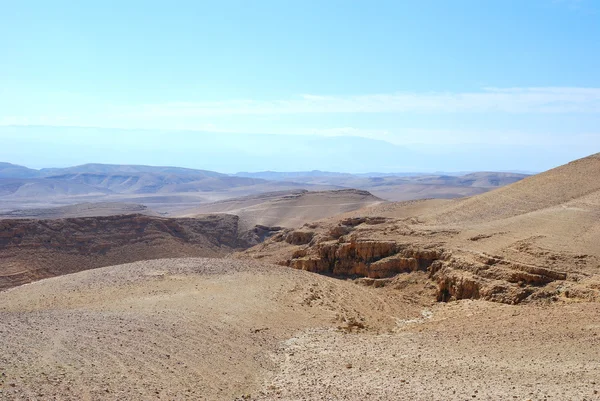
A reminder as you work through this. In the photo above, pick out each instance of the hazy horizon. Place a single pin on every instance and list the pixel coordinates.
(35, 148)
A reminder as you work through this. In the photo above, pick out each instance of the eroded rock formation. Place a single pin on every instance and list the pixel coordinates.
(354, 248)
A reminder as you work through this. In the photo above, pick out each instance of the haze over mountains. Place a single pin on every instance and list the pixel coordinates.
(234, 152)
(406, 186)
(171, 190)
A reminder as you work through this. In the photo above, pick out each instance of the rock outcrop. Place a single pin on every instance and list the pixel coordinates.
(372, 259)
(355, 248)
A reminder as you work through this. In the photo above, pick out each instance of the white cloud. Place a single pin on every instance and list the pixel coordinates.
(493, 100)
(215, 115)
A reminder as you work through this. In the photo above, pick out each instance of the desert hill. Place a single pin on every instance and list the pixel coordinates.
(133, 178)
(552, 188)
(80, 210)
(534, 239)
(401, 186)
(32, 249)
(126, 183)
(108, 169)
(8, 170)
(288, 209)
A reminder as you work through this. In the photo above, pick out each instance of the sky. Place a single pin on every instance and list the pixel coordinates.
(469, 84)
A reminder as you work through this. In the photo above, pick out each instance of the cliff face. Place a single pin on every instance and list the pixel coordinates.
(36, 249)
(372, 259)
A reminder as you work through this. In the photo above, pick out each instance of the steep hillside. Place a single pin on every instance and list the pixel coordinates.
(551, 188)
(35, 249)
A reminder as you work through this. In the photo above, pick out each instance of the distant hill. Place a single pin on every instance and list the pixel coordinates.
(96, 168)
(401, 186)
(288, 209)
(106, 179)
(8, 170)
(148, 183)
(291, 176)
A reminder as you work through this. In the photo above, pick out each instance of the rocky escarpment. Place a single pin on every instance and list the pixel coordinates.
(373, 259)
(380, 248)
(35, 249)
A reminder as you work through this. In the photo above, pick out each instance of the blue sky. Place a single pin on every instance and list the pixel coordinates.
(430, 76)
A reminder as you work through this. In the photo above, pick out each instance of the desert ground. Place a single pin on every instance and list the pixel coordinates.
(492, 297)
(225, 330)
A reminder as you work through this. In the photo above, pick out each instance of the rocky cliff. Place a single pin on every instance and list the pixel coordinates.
(380, 248)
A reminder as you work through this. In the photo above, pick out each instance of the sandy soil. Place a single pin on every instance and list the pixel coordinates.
(222, 329)
(174, 328)
(459, 351)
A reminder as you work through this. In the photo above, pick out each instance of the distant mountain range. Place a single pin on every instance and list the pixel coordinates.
(114, 179)
(42, 146)
(163, 188)
(307, 175)
(8, 170)
(402, 186)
